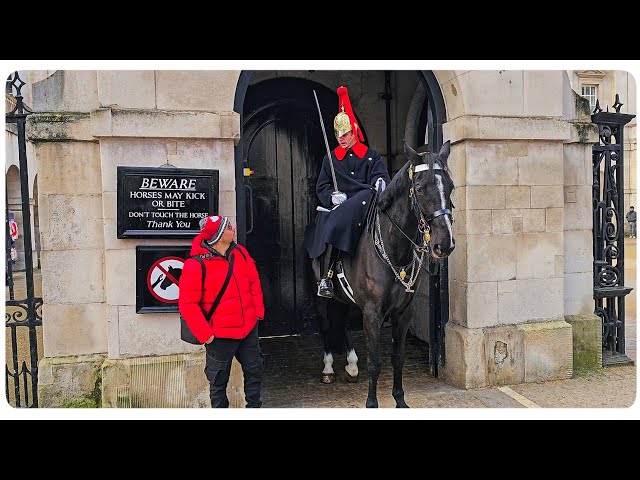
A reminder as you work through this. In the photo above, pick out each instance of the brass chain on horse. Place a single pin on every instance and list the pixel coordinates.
(423, 234)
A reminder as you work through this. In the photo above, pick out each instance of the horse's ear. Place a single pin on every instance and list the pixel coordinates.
(445, 151)
(411, 154)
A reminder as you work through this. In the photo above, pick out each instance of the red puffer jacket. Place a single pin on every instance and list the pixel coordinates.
(240, 306)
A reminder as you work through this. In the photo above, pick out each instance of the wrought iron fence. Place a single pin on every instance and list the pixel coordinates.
(21, 374)
(609, 291)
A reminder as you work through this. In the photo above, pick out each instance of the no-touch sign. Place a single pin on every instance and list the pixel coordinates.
(13, 229)
(163, 277)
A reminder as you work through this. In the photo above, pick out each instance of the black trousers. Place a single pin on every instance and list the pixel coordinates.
(220, 353)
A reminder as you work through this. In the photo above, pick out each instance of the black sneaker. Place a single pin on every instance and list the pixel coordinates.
(325, 288)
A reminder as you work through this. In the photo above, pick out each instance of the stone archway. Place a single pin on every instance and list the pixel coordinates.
(416, 104)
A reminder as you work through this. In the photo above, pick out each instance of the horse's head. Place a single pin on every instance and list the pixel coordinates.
(432, 187)
(175, 273)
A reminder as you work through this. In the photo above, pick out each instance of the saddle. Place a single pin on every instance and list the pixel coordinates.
(369, 225)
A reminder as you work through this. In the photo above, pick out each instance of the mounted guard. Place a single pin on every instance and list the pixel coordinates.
(348, 180)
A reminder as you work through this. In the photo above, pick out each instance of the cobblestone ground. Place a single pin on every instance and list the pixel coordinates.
(294, 365)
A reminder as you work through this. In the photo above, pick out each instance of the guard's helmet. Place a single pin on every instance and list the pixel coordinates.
(345, 120)
(341, 124)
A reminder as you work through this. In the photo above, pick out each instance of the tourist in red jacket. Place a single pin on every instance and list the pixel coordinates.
(233, 328)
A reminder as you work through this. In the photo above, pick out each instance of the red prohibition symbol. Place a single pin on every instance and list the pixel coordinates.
(163, 277)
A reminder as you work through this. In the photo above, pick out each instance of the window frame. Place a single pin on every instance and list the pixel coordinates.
(594, 87)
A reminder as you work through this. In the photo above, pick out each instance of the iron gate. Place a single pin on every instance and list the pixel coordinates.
(609, 291)
(23, 315)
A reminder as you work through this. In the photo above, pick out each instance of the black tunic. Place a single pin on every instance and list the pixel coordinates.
(342, 226)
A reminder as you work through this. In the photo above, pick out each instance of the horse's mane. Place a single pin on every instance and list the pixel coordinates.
(400, 182)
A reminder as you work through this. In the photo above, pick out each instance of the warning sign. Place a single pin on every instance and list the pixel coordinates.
(159, 269)
(163, 278)
(13, 227)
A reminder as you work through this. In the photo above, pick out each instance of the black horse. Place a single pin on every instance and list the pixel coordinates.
(410, 221)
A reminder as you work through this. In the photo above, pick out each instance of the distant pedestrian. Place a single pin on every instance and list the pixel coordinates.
(13, 231)
(631, 218)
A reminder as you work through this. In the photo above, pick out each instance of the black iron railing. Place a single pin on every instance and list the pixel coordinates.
(609, 291)
(21, 377)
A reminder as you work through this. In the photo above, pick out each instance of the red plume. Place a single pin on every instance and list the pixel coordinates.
(344, 102)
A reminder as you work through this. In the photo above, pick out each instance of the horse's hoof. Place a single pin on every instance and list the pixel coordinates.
(328, 378)
(372, 405)
(350, 378)
(402, 405)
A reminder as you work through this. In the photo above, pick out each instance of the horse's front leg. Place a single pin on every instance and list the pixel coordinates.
(371, 325)
(351, 369)
(328, 375)
(400, 325)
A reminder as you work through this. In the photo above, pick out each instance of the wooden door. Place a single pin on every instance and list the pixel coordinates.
(284, 146)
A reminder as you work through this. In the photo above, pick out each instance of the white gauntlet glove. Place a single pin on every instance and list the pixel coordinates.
(338, 197)
(381, 185)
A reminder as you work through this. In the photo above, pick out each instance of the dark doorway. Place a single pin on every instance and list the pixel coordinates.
(281, 141)
(283, 145)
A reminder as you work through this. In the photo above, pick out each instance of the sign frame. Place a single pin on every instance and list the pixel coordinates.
(148, 255)
(126, 207)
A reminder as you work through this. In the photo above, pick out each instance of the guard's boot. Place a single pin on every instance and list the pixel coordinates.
(325, 287)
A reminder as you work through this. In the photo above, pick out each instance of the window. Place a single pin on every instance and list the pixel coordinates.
(590, 92)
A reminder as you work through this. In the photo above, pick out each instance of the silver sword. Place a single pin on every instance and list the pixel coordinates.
(326, 143)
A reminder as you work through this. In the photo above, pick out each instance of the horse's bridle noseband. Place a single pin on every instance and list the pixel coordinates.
(423, 235)
(423, 223)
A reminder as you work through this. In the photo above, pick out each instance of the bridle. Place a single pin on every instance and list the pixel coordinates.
(423, 235)
(424, 223)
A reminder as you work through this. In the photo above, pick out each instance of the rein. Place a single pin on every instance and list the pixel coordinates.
(423, 234)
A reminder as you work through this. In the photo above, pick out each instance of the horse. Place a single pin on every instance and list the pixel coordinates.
(408, 222)
(166, 279)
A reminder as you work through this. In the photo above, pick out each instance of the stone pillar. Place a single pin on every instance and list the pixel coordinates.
(72, 242)
(102, 120)
(577, 226)
(506, 276)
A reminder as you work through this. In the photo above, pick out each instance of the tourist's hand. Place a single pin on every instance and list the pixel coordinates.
(210, 340)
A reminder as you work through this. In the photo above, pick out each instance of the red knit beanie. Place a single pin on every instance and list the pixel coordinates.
(213, 227)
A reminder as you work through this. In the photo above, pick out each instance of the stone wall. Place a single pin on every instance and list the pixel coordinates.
(87, 124)
(513, 133)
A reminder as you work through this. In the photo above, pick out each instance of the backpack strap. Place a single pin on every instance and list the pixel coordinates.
(242, 253)
(208, 315)
(204, 269)
(222, 289)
